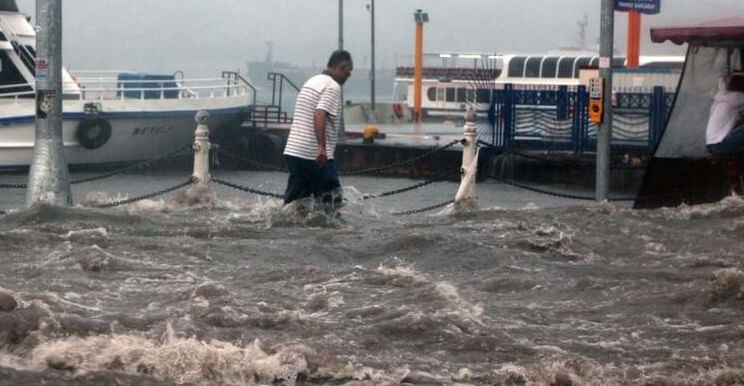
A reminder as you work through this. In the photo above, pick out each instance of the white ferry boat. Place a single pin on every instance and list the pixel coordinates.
(108, 117)
(451, 81)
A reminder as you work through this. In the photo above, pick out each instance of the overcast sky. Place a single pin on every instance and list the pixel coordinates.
(205, 36)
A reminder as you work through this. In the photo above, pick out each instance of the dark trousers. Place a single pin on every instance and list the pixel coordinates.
(307, 179)
(732, 144)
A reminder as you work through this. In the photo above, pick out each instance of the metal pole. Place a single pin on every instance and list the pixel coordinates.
(372, 70)
(418, 71)
(604, 134)
(48, 180)
(342, 129)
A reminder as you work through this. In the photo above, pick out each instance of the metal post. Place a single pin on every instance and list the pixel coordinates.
(201, 148)
(420, 18)
(48, 180)
(604, 134)
(372, 73)
(342, 129)
(466, 193)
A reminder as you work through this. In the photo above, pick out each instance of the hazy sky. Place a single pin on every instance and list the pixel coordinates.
(204, 36)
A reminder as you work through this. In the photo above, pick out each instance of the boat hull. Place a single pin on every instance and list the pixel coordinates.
(136, 134)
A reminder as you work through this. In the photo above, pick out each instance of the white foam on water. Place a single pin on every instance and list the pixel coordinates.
(444, 290)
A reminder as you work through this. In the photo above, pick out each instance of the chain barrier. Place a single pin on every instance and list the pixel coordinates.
(144, 197)
(423, 210)
(439, 178)
(140, 165)
(577, 163)
(12, 186)
(555, 194)
(257, 164)
(401, 163)
(375, 170)
(112, 173)
(246, 189)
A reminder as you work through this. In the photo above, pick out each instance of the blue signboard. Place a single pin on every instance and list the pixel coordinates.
(643, 6)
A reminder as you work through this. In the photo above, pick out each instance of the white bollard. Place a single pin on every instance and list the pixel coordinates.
(466, 195)
(201, 147)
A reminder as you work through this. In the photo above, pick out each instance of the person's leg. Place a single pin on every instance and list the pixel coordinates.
(332, 192)
(732, 144)
(297, 183)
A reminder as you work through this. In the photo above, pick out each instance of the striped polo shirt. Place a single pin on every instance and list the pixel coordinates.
(320, 92)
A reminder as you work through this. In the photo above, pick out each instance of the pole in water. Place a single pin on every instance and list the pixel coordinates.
(418, 72)
(201, 148)
(342, 129)
(604, 133)
(466, 196)
(48, 180)
(372, 74)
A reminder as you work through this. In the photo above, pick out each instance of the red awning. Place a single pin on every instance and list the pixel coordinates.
(725, 30)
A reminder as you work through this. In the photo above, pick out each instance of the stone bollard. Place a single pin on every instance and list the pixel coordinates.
(201, 148)
(466, 195)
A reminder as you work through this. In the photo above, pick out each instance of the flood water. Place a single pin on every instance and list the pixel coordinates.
(528, 290)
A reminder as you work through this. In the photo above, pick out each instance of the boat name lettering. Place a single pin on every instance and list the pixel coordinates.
(152, 130)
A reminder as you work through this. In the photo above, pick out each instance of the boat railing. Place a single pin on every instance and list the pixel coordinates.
(109, 88)
(234, 78)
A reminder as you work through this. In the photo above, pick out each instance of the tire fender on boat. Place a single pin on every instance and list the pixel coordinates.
(93, 133)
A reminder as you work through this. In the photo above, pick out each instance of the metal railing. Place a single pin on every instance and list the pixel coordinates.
(236, 78)
(277, 80)
(110, 88)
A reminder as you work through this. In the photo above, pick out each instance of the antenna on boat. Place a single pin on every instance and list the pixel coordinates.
(48, 180)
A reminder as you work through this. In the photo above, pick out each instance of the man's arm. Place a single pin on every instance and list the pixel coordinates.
(320, 136)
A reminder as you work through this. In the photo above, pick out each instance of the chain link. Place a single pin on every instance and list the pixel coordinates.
(408, 188)
(144, 197)
(555, 194)
(344, 172)
(140, 165)
(258, 164)
(423, 210)
(399, 164)
(246, 189)
(13, 186)
(577, 163)
(110, 174)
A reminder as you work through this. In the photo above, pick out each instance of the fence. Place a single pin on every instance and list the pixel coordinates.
(559, 119)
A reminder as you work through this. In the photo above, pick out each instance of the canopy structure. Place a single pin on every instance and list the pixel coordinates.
(715, 33)
(8, 6)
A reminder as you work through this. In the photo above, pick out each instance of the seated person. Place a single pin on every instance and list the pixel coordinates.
(725, 131)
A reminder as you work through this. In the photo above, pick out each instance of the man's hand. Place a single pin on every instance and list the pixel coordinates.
(322, 157)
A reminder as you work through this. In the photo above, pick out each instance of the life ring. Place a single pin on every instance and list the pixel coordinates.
(93, 133)
(398, 110)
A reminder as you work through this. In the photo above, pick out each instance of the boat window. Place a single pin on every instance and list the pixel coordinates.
(471, 95)
(440, 93)
(11, 76)
(618, 62)
(450, 94)
(533, 67)
(594, 63)
(516, 66)
(581, 63)
(565, 67)
(483, 95)
(461, 95)
(431, 94)
(549, 67)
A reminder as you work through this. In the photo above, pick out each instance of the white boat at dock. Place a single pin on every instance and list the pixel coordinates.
(454, 81)
(108, 117)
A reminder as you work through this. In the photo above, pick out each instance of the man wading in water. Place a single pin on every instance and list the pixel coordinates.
(314, 133)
